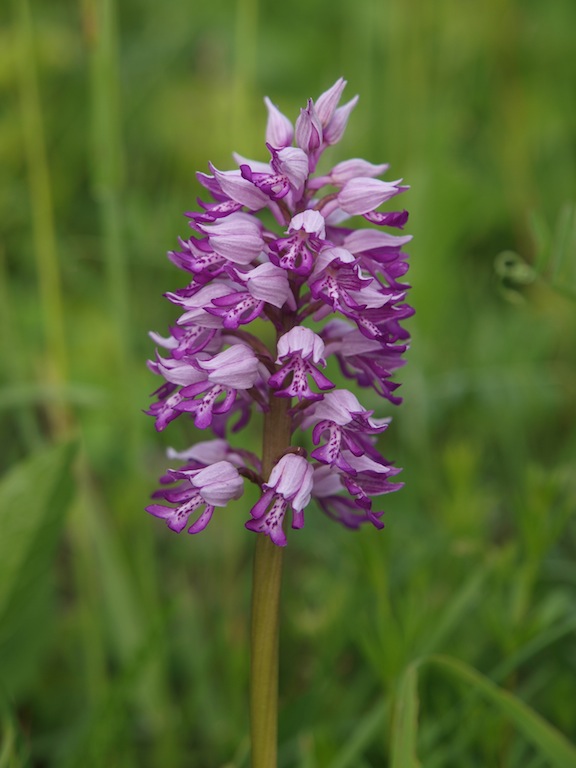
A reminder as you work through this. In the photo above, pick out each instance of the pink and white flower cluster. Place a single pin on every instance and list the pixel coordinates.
(275, 243)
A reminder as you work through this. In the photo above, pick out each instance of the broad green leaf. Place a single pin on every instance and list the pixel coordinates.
(33, 499)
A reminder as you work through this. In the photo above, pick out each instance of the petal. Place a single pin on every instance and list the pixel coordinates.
(368, 239)
(303, 341)
(291, 477)
(236, 238)
(321, 381)
(219, 483)
(308, 129)
(206, 452)
(338, 406)
(297, 518)
(310, 221)
(328, 255)
(269, 283)
(327, 102)
(279, 130)
(326, 482)
(271, 523)
(336, 127)
(179, 372)
(363, 194)
(203, 520)
(240, 190)
(256, 166)
(293, 163)
(235, 367)
(350, 169)
(177, 517)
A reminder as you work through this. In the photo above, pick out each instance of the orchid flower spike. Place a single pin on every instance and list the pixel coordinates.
(287, 294)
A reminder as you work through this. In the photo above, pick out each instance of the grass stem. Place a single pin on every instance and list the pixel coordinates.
(55, 364)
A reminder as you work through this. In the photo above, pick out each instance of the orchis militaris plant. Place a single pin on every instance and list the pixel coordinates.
(330, 290)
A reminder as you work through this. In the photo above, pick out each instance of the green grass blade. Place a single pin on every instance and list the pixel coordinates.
(55, 365)
(550, 742)
(14, 751)
(34, 497)
(405, 724)
(457, 608)
(107, 171)
(351, 753)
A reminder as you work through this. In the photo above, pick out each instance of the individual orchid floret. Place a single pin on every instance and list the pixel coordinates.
(334, 500)
(265, 284)
(237, 308)
(196, 256)
(299, 351)
(185, 341)
(306, 234)
(287, 174)
(213, 211)
(343, 424)
(379, 253)
(371, 477)
(384, 323)
(338, 283)
(370, 362)
(332, 120)
(289, 484)
(211, 487)
(216, 378)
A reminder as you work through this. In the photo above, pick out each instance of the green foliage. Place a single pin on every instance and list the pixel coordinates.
(552, 745)
(405, 726)
(125, 645)
(34, 497)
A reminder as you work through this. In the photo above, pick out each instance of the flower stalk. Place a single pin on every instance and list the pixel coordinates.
(264, 653)
(267, 580)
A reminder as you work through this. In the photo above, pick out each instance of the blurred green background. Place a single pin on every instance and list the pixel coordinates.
(124, 645)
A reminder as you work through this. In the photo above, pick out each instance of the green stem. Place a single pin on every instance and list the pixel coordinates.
(265, 608)
(107, 173)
